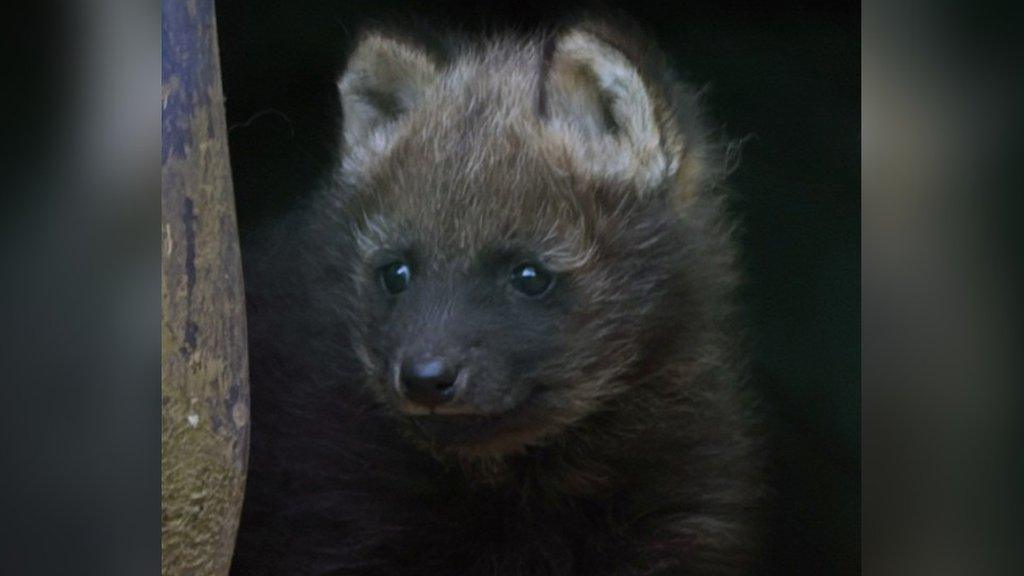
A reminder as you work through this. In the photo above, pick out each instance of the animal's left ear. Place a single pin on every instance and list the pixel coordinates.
(599, 107)
(385, 78)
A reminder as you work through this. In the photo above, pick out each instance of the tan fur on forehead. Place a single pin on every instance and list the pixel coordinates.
(557, 237)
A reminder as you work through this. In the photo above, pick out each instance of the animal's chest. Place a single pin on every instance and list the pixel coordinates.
(498, 532)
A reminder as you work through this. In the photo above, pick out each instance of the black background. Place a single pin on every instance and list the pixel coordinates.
(784, 76)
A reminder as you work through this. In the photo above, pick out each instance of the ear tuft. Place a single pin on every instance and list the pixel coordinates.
(601, 109)
(384, 79)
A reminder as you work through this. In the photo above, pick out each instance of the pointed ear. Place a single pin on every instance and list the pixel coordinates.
(385, 78)
(598, 104)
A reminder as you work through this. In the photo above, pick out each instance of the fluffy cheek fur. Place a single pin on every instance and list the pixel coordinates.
(363, 320)
(376, 348)
(622, 296)
(592, 357)
(588, 371)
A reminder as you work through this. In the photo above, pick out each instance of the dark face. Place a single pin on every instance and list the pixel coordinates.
(462, 345)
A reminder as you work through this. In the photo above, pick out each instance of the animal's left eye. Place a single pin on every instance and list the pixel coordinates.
(531, 279)
(395, 277)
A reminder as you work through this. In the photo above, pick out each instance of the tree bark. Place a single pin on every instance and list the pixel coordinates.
(204, 388)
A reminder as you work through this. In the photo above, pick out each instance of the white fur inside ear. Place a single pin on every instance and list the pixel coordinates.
(601, 111)
(384, 79)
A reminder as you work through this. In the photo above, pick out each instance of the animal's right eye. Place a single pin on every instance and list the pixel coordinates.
(395, 277)
(531, 279)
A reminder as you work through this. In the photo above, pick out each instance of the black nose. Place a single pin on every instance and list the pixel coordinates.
(428, 380)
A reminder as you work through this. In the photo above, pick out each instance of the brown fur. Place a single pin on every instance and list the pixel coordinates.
(626, 437)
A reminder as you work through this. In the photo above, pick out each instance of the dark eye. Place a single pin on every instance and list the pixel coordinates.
(395, 277)
(531, 279)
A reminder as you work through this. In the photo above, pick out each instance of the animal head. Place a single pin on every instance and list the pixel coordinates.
(519, 216)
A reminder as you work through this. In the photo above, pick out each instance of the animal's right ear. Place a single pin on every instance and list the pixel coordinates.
(385, 78)
(598, 105)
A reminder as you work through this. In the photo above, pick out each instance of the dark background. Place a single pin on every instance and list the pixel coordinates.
(784, 76)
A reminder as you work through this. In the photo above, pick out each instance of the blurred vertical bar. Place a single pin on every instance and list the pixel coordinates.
(205, 394)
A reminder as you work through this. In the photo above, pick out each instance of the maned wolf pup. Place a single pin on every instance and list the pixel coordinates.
(501, 341)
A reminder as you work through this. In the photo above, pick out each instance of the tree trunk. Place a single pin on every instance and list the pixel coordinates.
(205, 389)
